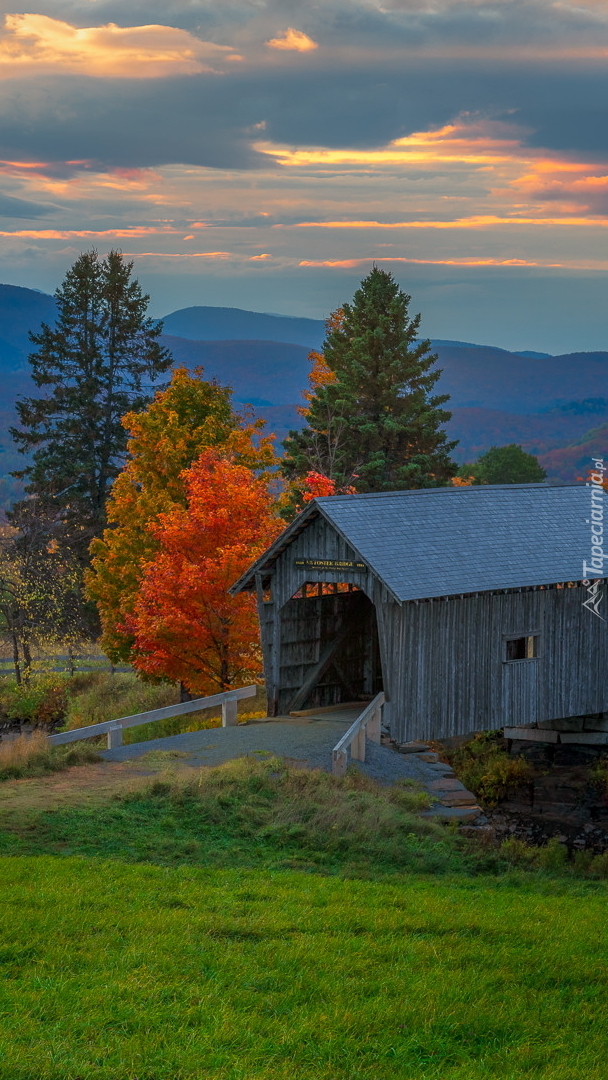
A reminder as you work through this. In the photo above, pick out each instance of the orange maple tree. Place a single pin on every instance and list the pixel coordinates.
(184, 419)
(185, 624)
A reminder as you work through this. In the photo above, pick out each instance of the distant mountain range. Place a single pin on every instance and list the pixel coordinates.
(554, 406)
(234, 324)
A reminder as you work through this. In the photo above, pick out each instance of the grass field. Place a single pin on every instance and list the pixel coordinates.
(265, 924)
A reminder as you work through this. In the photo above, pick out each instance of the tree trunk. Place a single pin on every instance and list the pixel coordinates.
(16, 658)
(27, 659)
(184, 695)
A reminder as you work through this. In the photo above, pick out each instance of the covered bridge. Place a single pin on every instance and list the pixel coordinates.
(464, 605)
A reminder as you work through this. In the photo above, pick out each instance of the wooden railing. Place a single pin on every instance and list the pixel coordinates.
(114, 728)
(367, 725)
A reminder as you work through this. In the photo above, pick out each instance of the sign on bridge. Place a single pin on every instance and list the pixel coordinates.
(330, 564)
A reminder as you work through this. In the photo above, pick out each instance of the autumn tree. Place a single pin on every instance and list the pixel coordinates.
(504, 465)
(41, 596)
(185, 625)
(372, 419)
(91, 366)
(190, 415)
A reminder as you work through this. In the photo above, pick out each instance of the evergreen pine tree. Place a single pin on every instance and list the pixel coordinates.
(374, 423)
(92, 365)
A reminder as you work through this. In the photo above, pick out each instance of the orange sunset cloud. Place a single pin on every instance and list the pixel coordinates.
(293, 41)
(481, 221)
(39, 45)
(84, 234)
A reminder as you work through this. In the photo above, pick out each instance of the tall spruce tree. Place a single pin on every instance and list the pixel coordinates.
(372, 421)
(92, 365)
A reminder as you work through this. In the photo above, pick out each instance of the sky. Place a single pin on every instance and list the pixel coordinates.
(265, 153)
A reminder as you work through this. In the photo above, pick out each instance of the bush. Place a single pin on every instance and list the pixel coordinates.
(32, 755)
(598, 773)
(92, 697)
(41, 701)
(553, 856)
(487, 769)
(599, 865)
(518, 853)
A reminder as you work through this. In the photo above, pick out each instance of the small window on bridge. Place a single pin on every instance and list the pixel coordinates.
(522, 648)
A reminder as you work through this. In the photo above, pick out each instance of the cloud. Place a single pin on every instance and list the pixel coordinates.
(572, 185)
(466, 261)
(129, 123)
(10, 207)
(36, 45)
(479, 221)
(293, 41)
(131, 232)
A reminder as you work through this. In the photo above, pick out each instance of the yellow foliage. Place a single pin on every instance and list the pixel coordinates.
(187, 417)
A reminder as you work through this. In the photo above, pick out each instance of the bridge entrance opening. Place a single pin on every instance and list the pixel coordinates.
(329, 652)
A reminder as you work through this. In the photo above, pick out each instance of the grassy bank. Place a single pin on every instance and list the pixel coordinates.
(252, 812)
(32, 756)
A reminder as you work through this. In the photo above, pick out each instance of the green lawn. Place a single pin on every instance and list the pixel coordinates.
(140, 972)
(241, 967)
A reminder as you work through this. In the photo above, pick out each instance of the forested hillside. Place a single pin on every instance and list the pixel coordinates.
(551, 405)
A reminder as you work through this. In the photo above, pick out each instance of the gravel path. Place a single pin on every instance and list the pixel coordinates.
(303, 740)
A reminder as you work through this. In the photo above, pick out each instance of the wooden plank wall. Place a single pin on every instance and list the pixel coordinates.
(307, 625)
(318, 541)
(451, 677)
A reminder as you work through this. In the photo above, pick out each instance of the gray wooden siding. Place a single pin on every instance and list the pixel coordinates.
(294, 634)
(451, 672)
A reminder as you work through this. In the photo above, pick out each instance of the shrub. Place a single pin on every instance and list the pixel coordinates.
(582, 862)
(599, 865)
(598, 773)
(99, 696)
(553, 856)
(40, 701)
(518, 853)
(587, 864)
(32, 755)
(487, 769)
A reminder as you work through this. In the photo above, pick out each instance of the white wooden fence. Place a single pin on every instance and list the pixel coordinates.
(114, 728)
(367, 725)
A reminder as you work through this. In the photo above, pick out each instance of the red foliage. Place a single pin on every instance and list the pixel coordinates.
(186, 625)
(320, 486)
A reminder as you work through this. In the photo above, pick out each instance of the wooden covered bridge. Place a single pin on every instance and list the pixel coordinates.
(465, 606)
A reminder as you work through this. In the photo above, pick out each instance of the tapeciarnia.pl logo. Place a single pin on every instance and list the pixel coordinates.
(595, 569)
